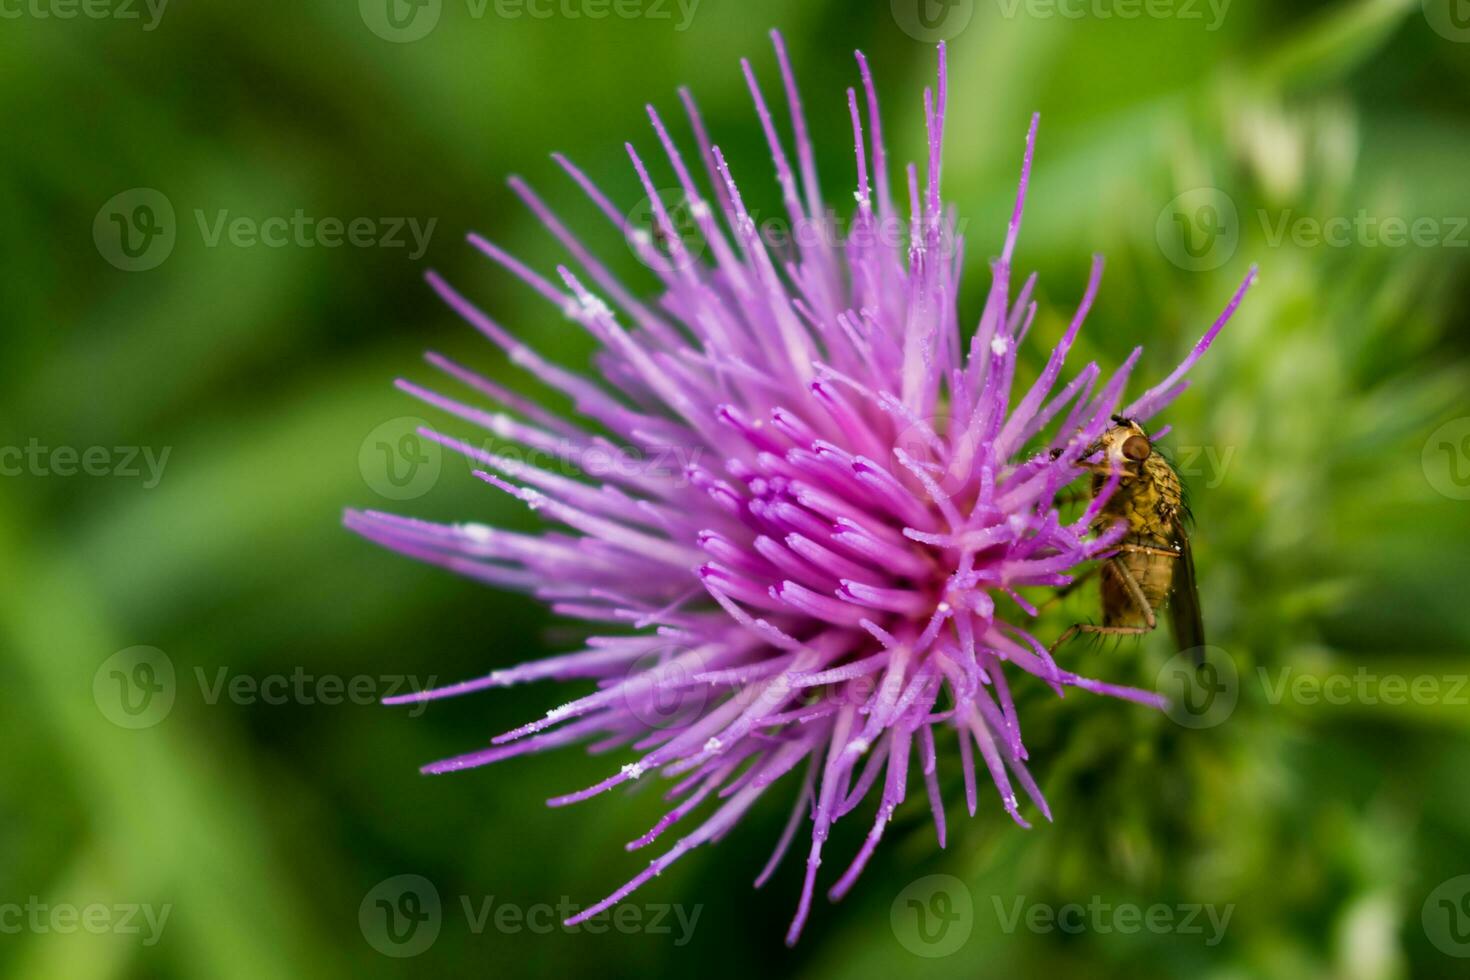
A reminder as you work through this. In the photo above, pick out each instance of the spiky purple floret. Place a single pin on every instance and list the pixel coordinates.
(855, 496)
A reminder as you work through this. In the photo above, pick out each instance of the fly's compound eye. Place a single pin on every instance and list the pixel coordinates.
(1136, 448)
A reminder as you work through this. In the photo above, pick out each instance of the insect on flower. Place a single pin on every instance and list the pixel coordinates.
(832, 582)
(1153, 565)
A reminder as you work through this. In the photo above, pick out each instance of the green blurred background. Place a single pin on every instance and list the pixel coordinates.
(1331, 503)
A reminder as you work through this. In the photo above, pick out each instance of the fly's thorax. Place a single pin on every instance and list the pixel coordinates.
(1146, 499)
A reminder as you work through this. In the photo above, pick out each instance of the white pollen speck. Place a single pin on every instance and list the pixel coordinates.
(477, 532)
(699, 209)
(713, 745)
(594, 306)
(640, 236)
(632, 770)
(559, 712)
(999, 346)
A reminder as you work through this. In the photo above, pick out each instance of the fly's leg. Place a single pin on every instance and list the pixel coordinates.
(1137, 593)
(1140, 549)
(1068, 589)
(1134, 590)
(1073, 630)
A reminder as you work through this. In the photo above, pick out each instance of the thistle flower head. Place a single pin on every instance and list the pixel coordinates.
(831, 573)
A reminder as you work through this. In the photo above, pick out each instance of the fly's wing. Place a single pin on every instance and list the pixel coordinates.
(1184, 611)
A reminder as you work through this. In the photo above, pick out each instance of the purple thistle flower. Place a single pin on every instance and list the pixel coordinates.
(817, 585)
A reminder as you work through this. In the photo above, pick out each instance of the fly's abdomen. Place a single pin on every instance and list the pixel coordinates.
(1154, 575)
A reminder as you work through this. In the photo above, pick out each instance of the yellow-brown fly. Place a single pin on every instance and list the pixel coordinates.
(1152, 566)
